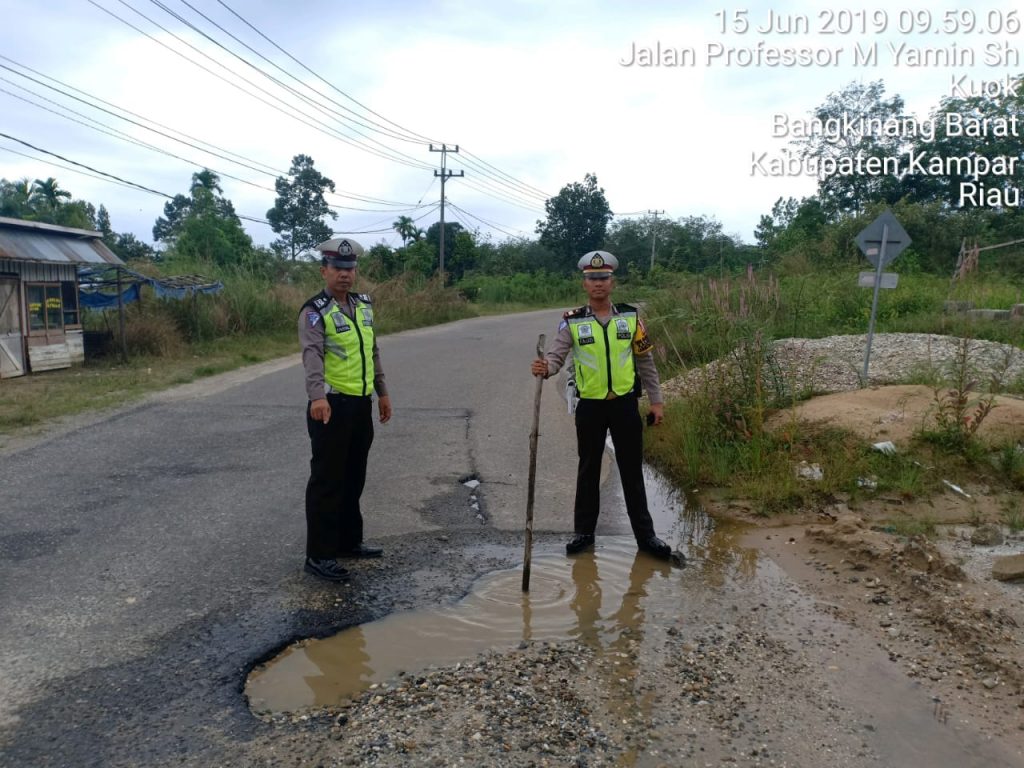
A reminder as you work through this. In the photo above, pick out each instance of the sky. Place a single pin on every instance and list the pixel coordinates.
(535, 94)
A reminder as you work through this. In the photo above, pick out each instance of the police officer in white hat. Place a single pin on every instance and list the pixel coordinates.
(612, 358)
(343, 370)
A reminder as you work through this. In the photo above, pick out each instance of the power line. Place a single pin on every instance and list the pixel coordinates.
(379, 127)
(497, 174)
(516, 187)
(486, 223)
(220, 152)
(87, 167)
(121, 136)
(331, 85)
(294, 115)
(479, 159)
(66, 168)
(290, 89)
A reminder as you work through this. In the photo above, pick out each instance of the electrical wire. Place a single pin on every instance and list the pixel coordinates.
(193, 142)
(482, 166)
(372, 125)
(488, 224)
(321, 79)
(294, 115)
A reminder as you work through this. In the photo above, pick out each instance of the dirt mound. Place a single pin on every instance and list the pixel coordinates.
(896, 412)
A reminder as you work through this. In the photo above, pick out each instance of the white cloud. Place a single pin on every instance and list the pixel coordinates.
(535, 89)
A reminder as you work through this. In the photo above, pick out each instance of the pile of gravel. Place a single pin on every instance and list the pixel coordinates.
(835, 363)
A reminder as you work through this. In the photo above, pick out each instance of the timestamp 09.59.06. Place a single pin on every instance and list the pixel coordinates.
(865, 22)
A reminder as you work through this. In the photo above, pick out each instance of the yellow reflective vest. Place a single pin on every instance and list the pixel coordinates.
(603, 354)
(348, 347)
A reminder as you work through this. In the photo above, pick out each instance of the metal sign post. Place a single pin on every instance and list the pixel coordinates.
(891, 239)
(874, 301)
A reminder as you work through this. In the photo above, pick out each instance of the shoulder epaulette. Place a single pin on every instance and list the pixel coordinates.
(319, 301)
(365, 298)
(578, 312)
(627, 308)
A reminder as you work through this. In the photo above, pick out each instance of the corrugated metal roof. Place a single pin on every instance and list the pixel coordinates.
(29, 241)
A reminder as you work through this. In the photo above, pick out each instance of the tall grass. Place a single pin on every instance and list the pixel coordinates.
(721, 330)
(255, 304)
(539, 289)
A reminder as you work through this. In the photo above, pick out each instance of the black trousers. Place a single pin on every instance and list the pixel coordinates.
(337, 474)
(594, 419)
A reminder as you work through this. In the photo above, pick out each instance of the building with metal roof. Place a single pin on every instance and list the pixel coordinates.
(40, 320)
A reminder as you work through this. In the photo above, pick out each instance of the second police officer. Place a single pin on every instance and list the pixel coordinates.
(611, 354)
(343, 370)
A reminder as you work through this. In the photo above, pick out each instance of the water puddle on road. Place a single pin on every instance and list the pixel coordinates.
(595, 598)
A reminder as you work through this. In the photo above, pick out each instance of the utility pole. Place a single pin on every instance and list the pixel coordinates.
(445, 174)
(654, 233)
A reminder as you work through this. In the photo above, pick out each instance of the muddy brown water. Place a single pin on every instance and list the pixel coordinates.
(607, 597)
(595, 597)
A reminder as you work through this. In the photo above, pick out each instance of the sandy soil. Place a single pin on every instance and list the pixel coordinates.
(896, 412)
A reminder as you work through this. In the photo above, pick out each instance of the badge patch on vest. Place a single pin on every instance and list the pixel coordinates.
(340, 322)
(585, 331)
(622, 328)
(367, 317)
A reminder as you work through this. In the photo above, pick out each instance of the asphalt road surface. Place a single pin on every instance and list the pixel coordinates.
(149, 557)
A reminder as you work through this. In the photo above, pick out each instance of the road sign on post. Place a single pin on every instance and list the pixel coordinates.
(881, 241)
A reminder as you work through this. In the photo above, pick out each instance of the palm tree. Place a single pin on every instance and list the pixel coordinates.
(49, 193)
(14, 198)
(406, 229)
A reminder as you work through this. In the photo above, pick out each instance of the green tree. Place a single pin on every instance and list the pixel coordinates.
(850, 193)
(406, 229)
(204, 225)
(959, 113)
(420, 257)
(47, 194)
(793, 225)
(299, 211)
(452, 230)
(381, 262)
(577, 221)
(205, 197)
(79, 214)
(630, 241)
(15, 198)
(103, 225)
(129, 248)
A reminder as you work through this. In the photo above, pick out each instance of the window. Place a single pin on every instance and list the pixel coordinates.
(69, 297)
(45, 307)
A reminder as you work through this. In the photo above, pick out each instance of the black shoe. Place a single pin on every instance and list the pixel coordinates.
(579, 543)
(363, 551)
(326, 569)
(655, 546)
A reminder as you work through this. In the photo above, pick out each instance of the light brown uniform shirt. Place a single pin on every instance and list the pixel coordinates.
(311, 337)
(644, 363)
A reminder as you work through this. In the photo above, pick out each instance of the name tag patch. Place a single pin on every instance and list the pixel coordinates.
(585, 332)
(340, 322)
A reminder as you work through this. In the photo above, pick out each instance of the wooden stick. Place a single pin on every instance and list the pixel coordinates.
(532, 482)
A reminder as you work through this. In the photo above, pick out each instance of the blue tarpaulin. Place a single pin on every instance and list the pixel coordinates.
(95, 299)
(97, 288)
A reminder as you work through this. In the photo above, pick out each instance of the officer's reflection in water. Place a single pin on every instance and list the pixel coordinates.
(343, 667)
(622, 629)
